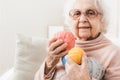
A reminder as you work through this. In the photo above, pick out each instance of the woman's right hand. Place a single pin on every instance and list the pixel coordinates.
(56, 50)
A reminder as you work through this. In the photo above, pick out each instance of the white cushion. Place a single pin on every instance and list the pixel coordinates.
(7, 75)
(30, 52)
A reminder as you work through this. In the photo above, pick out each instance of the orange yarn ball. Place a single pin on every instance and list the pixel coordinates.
(67, 37)
(76, 54)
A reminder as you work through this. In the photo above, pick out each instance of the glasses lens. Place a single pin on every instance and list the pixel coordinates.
(75, 13)
(91, 13)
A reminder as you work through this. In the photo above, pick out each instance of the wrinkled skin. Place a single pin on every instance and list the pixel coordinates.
(56, 50)
(75, 71)
(79, 25)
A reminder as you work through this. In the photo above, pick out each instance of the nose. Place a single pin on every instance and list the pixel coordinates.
(83, 18)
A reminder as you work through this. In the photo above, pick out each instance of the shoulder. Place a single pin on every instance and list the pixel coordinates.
(114, 46)
(114, 50)
(114, 42)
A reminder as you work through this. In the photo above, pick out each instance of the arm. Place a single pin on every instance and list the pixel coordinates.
(113, 70)
(40, 75)
(56, 50)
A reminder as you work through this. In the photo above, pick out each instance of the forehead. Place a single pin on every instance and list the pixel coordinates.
(85, 4)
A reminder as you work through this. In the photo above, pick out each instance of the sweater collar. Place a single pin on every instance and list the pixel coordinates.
(94, 44)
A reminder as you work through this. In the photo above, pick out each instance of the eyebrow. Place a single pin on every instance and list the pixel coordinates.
(93, 8)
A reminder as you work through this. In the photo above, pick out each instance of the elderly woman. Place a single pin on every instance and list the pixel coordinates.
(88, 22)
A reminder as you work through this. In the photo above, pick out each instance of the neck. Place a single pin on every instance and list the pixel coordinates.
(90, 38)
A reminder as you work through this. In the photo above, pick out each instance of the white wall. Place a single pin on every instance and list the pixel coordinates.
(112, 12)
(30, 17)
(118, 17)
(114, 25)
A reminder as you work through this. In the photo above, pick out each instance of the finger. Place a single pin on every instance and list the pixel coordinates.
(51, 41)
(70, 64)
(84, 61)
(69, 61)
(55, 44)
(61, 48)
(63, 53)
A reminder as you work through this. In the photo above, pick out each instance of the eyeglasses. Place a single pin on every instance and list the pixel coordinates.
(90, 13)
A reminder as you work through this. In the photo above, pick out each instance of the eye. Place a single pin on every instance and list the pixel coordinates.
(91, 13)
(77, 13)
(74, 13)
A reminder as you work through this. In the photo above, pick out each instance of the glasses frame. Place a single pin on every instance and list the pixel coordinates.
(73, 10)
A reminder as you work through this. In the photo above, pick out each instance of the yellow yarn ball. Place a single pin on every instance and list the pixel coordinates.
(76, 54)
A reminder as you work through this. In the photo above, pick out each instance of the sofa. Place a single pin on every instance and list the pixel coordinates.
(29, 55)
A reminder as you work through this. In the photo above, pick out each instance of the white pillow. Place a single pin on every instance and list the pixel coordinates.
(30, 52)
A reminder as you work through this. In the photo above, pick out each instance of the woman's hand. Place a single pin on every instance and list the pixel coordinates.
(75, 71)
(56, 50)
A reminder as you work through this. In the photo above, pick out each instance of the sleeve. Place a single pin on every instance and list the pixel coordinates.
(113, 70)
(41, 75)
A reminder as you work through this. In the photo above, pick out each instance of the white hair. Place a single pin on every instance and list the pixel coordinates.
(98, 3)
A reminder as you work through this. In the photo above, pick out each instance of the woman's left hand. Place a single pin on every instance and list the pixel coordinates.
(75, 71)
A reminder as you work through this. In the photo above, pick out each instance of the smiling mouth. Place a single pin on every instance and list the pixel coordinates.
(84, 27)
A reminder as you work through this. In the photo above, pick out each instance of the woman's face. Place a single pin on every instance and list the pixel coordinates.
(86, 19)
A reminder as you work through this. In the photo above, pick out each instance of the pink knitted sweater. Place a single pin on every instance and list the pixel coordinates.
(103, 50)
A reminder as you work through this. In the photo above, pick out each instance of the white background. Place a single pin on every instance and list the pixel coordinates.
(32, 17)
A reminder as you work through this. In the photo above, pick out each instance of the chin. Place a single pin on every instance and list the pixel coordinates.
(83, 37)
